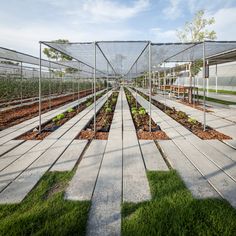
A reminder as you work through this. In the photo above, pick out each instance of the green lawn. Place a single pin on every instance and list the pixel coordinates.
(173, 211)
(45, 212)
(217, 100)
(220, 91)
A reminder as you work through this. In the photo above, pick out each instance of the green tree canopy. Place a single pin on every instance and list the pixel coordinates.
(196, 30)
(51, 53)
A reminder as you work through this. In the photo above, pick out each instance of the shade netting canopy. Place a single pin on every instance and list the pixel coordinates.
(12, 55)
(135, 57)
(112, 57)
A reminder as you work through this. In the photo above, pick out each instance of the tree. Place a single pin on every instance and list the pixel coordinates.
(196, 30)
(54, 54)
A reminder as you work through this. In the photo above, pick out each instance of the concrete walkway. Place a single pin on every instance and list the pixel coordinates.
(222, 120)
(212, 163)
(110, 172)
(23, 166)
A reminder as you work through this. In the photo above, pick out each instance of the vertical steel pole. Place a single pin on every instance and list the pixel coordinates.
(204, 87)
(40, 75)
(136, 84)
(207, 79)
(94, 87)
(216, 74)
(50, 105)
(78, 88)
(150, 88)
(21, 83)
(107, 79)
(164, 86)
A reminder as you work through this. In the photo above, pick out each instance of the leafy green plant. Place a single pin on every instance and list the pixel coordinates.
(134, 112)
(168, 112)
(70, 110)
(54, 119)
(182, 114)
(192, 120)
(60, 116)
(142, 112)
(108, 110)
(88, 104)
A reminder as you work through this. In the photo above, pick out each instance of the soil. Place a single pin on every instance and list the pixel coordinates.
(17, 115)
(192, 125)
(103, 121)
(196, 105)
(89, 134)
(51, 126)
(141, 122)
(157, 135)
(17, 101)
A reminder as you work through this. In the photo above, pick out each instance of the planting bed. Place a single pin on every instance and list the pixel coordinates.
(103, 120)
(191, 124)
(17, 115)
(58, 121)
(197, 105)
(141, 121)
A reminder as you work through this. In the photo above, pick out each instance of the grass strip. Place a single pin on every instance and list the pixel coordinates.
(220, 91)
(210, 99)
(173, 211)
(44, 211)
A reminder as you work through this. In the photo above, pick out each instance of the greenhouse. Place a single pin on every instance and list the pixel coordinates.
(118, 119)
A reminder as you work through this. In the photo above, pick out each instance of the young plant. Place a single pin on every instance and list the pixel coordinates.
(88, 103)
(70, 110)
(134, 111)
(182, 114)
(192, 121)
(142, 112)
(60, 116)
(108, 110)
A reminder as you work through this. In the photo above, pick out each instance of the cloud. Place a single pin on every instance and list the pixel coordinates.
(173, 11)
(225, 23)
(109, 11)
(163, 36)
(27, 39)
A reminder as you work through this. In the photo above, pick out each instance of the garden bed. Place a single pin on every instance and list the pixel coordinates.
(141, 121)
(191, 124)
(17, 115)
(103, 121)
(196, 105)
(57, 121)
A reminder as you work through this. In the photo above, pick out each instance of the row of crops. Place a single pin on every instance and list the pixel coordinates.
(17, 88)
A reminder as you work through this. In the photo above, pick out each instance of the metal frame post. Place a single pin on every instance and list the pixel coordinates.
(150, 87)
(107, 78)
(204, 87)
(21, 84)
(207, 80)
(136, 84)
(78, 88)
(164, 86)
(94, 86)
(216, 76)
(40, 76)
(50, 105)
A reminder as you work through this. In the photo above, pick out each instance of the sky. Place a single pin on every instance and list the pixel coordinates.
(23, 23)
